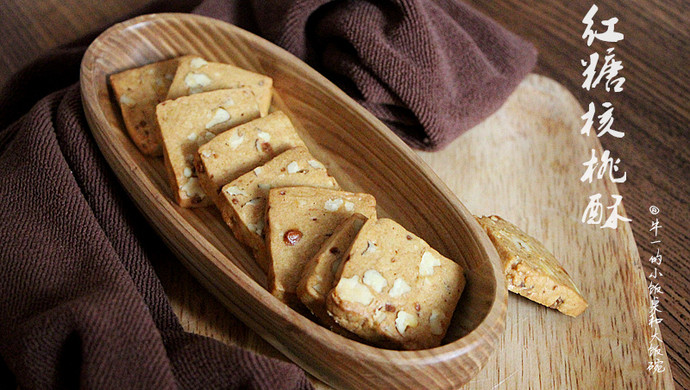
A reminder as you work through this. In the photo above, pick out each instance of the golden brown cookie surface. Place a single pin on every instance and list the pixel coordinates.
(138, 91)
(244, 199)
(395, 290)
(194, 75)
(299, 220)
(190, 121)
(241, 149)
(531, 270)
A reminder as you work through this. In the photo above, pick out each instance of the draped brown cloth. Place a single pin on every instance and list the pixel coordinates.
(429, 69)
(81, 305)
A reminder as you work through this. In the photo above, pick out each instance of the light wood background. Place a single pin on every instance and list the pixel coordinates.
(653, 112)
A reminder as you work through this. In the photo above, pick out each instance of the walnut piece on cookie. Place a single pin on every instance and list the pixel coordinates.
(194, 74)
(243, 201)
(531, 270)
(241, 149)
(394, 290)
(319, 272)
(298, 221)
(138, 91)
(190, 121)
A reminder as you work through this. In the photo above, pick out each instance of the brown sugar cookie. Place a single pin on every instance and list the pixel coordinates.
(394, 290)
(319, 272)
(241, 149)
(138, 91)
(531, 270)
(243, 201)
(194, 75)
(190, 121)
(298, 221)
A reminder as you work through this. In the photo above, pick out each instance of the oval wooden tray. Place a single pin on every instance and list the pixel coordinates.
(360, 152)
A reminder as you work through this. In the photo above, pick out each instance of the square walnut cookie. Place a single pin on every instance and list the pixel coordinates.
(243, 201)
(241, 149)
(319, 272)
(194, 74)
(531, 270)
(190, 121)
(394, 290)
(138, 91)
(298, 221)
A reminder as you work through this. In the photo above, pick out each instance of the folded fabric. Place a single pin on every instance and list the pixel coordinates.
(82, 306)
(429, 69)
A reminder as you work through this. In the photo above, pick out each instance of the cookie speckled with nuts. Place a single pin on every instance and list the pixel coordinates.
(244, 199)
(194, 75)
(298, 221)
(531, 270)
(319, 272)
(138, 91)
(395, 290)
(190, 121)
(243, 148)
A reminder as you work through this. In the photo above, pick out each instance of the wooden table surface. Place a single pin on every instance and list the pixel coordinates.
(652, 111)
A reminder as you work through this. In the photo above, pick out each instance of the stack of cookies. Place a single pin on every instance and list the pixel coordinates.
(324, 249)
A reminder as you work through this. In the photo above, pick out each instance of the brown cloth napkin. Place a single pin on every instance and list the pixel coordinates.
(81, 305)
(429, 69)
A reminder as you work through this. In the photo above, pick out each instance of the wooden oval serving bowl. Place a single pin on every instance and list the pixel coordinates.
(361, 152)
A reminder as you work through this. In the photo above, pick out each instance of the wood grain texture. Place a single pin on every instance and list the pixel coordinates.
(523, 164)
(360, 152)
(653, 112)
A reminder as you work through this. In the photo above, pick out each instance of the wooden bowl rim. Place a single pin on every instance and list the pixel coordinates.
(493, 323)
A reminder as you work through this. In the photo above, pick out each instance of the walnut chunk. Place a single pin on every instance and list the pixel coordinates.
(375, 280)
(293, 167)
(400, 287)
(196, 82)
(426, 266)
(333, 204)
(257, 228)
(405, 320)
(292, 237)
(127, 101)
(192, 188)
(235, 141)
(350, 289)
(235, 190)
(264, 136)
(197, 63)
(255, 202)
(219, 116)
